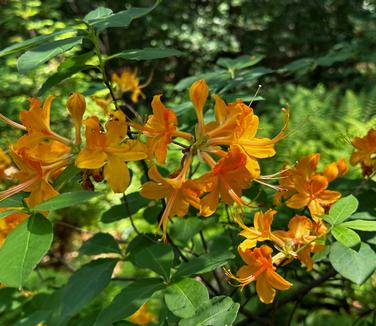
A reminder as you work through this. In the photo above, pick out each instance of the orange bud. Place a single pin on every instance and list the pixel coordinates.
(199, 93)
(76, 105)
(342, 167)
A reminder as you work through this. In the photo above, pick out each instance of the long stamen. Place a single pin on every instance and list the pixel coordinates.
(11, 122)
(18, 188)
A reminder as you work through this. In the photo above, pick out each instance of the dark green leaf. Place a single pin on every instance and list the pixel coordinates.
(84, 285)
(361, 225)
(68, 174)
(100, 243)
(203, 264)
(341, 210)
(219, 311)
(20, 46)
(157, 257)
(183, 230)
(66, 199)
(67, 69)
(14, 201)
(146, 54)
(23, 248)
(347, 237)
(100, 12)
(129, 300)
(356, 266)
(300, 65)
(41, 54)
(185, 297)
(240, 62)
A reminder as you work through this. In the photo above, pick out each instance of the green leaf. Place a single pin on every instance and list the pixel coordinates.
(183, 230)
(129, 300)
(203, 264)
(361, 225)
(20, 46)
(134, 202)
(353, 265)
(67, 69)
(300, 65)
(23, 248)
(41, 54)
(13, 201)
(185, 297)
(121, 18)
(84, 285)
(100, 12)
(146, 54)
(100, 243)
(341, 210)
(218, 311)
(347, 237)
(241, 62)
(66, 199)
(68, 174)
(9, 211)
(157, 257)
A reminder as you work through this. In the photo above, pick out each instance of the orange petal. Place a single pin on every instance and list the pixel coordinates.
(276, 280)
(264, 290)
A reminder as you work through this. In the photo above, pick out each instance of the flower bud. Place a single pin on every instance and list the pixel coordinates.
(76, 105)
(199, 93)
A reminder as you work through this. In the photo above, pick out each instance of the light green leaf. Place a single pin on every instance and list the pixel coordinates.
(68, 174)
(24, 45)
(361, 225)
(346, 236)
(100, 243)
(185, 297)
(42, 53)
(157, 257)
(241, 62)
(129, 300)
(9, 211)
(13, 201)
(146, 54)
(341, 210)
(66, 199)
(23, 248)
(84, 285)
(203, 264)
(356, 266)
(100, 12)
(218, 311)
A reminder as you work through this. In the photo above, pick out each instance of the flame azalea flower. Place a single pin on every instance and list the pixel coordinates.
(34, 177)
(365, 152)
(159, 129)
(259, 267)
(109, 150)
(227, 180)
(261, 230)
(299, 239)
(143, 316)
(178, 192)
(4, 163)
(198, 94)
(128, 81)
(9, 222)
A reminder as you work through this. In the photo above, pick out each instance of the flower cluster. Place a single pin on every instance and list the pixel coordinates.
(365, 153)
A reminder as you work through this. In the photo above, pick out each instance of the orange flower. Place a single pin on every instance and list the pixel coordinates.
(365, 152)
(34, 177)
(9, 222)
(159, 129)
(227, 180)
(299, 239)
(259, 267)
(109, 150)
(198, 94)
(261, 230)
(4, 163)
(178, 192)
(128, 81)
(143, 316)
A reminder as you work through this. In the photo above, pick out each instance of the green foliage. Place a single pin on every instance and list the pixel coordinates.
(100, 243)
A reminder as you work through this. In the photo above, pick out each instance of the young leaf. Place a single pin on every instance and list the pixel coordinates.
(341, 210)
(100, 243)
(84, 285)
(42, 53)
(66, 199)
(23, 248)
(100, 12)
(146, 54)
(203, 264)
(185, 297)
(218, 311)
(24, 45)
(347, 237)
(361, 225)
(355, 266)
(157, 257)
(129, 300)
